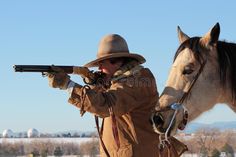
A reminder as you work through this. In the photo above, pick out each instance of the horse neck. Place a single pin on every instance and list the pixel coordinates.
(227, 98)
(224, 97)
(226, 58)
(195, 112)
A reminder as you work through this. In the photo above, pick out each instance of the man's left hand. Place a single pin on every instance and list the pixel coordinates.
(58, 79)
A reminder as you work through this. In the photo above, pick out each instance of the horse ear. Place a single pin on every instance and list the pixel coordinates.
(212, 36)
(181, 35)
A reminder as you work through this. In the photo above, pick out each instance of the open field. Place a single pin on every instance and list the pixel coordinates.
(54, 140)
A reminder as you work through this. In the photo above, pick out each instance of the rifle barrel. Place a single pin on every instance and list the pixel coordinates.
(41, 68)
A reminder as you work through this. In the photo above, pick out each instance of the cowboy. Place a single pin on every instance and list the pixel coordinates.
(124, 101)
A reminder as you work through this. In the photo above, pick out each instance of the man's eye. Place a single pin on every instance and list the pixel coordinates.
(187, 70)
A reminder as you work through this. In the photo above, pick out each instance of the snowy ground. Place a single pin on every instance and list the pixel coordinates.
(184, 155)
(61, 140)
(63, 156)
(57, 140)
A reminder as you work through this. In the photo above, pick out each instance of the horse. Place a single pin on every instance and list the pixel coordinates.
(202, 75)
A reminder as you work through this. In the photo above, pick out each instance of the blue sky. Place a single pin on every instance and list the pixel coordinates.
(67, 33)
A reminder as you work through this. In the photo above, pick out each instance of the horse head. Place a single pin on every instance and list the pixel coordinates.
(194, 82)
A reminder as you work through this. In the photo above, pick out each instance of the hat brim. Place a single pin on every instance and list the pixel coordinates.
(138, 57)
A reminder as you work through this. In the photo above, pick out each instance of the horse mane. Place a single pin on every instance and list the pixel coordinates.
(226, 59)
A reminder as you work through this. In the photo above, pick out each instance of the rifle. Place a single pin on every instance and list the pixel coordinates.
(90, 77)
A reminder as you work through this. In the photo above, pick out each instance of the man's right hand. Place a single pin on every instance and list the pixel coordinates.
(85, 73)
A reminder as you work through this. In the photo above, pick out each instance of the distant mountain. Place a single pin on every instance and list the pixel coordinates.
(193, 127)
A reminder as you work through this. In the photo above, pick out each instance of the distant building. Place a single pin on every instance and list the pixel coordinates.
(8, 133)
(32, 133)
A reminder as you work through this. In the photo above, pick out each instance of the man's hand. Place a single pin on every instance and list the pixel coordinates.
(58, 79)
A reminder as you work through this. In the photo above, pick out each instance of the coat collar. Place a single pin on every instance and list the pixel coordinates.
(129, 69)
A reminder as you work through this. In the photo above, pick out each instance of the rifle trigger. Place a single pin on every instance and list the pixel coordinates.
(44, 74)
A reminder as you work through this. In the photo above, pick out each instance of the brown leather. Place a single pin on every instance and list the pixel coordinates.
(177, 146)
(132, 101)
(174, 148)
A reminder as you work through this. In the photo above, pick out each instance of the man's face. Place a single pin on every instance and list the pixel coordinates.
(108, 68)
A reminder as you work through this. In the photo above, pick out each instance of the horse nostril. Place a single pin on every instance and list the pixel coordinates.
(158, 120)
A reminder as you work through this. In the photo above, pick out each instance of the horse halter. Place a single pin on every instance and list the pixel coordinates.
(176, 107)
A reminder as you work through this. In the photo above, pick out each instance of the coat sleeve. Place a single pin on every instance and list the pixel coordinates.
(123, 96)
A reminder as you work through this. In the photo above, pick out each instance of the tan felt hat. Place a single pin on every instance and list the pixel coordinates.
(113, 46)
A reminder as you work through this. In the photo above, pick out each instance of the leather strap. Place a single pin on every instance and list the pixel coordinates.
(100, 135)
(170, 152)
(192, 83)
(114, 127)
(113, 118)
(82, 111)
(83, 96)
(114, 131)
(173, 150)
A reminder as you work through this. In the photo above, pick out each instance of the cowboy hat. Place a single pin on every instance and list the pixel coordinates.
(113, 46)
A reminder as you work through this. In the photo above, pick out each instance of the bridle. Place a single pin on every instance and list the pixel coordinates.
(176, 107)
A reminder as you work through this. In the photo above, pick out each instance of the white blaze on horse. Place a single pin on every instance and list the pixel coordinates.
(203, 74)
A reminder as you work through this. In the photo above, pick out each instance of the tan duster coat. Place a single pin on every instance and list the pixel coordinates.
(133, 95)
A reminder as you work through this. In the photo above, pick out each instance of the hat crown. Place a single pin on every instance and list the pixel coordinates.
(111, 44)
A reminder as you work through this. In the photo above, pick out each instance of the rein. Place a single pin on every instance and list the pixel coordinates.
(176, 107)
(192, 83)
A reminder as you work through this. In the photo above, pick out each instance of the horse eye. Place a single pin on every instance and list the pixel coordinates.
(187, 70)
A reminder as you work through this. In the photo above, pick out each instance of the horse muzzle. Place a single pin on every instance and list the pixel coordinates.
(157, 122)
(164, 120)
